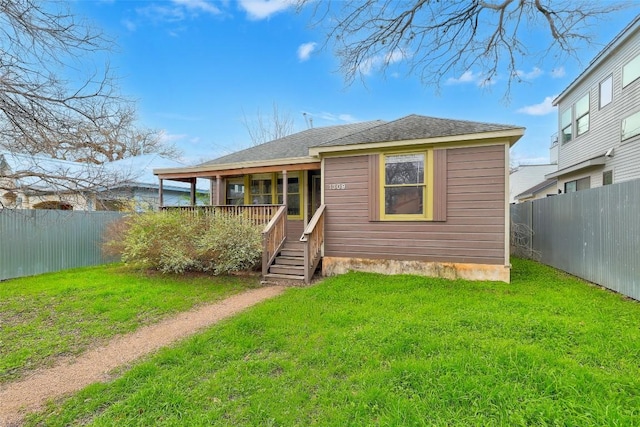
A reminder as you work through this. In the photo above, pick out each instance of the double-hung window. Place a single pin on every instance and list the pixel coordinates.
(406, 190)
(582, 115)
(566, 125)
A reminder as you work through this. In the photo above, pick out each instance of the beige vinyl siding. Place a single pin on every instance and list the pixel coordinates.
(472, 233)
(605, 123)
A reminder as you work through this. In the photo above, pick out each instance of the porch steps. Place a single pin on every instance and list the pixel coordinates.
(289, 264)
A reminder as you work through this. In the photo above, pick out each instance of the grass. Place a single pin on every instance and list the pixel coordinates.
(364, 349)
(48, 316)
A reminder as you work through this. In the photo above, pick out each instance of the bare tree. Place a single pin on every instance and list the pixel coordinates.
(265, 128)
(440, 39)
(56, 101)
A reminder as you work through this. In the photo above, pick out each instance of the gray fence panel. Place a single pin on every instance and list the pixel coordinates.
(593, 234)
(41, 241)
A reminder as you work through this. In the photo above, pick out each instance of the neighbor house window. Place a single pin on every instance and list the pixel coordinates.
(582, 115)
(606, 91)
(577, 185)
(406, 193)
(631, 126)
(631, 71)
(607, 177)
(566, 125)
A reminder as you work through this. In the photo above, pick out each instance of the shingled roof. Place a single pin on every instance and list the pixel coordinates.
(292, 146)
(417, 127)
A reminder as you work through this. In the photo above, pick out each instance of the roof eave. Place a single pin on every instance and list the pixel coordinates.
(511, 135)
(237, 165)
(591, 163)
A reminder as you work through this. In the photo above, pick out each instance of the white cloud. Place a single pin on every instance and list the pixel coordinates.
(129, 24)
(541, 109)
(369, 64)
(305, 50)
(557, 73)
(198, 6)
(332, 117)
(535, 73)
(166, 137)
(471, 77)
(261, 9)
(347, 118)
(177, 10)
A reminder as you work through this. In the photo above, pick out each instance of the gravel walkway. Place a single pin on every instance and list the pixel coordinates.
(29, 394)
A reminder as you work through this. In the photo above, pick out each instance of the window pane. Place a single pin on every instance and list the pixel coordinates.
(404, 169)
(403, 200)
(607, 178)
(582, 106)
(570, 187)
(631, 126)
(583, 183)
(606, 91)
(235, 193)
(566, 134)
(631, 71)
(566, 118)
(583, 124)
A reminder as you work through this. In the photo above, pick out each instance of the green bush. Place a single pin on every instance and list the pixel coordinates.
(176, 242)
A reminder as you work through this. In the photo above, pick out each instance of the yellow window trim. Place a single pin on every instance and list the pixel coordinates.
(427, 214)
(274, 188)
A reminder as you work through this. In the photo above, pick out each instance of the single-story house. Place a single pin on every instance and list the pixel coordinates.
(419, 195)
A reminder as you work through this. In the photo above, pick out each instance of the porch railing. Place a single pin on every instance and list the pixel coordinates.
(273, 237)
(313, 238)
(258, 214)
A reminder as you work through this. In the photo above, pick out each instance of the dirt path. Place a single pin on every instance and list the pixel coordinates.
(32, 392)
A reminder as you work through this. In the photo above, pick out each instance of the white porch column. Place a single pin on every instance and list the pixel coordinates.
(211, 195)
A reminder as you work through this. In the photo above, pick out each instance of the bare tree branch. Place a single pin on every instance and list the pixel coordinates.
(263, 128)
(439, 39)
(56, 102)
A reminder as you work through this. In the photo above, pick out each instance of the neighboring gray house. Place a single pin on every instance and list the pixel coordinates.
(525, 177)
(599, 118)
(33, 182)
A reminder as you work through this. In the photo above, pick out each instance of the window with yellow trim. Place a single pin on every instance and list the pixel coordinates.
(266, 189)
(261, 189)
(405, 192)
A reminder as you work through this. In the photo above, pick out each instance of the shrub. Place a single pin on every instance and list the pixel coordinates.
(175, 242)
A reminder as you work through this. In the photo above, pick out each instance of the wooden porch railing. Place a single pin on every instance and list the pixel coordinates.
(273, 237)
(258, 214)
(313, 238)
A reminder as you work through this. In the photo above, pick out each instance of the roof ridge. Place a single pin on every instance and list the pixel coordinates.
(382, 122)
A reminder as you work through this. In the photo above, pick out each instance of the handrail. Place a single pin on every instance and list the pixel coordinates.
(258, 214)
(273, 237)
(313, 239)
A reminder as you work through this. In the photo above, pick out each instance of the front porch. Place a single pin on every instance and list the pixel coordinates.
(287, 203)
(287, 253)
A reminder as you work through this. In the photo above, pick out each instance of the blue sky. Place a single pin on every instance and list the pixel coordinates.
(197, 67)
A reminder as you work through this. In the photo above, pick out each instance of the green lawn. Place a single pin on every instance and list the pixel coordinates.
(51, 315)
(365, 349)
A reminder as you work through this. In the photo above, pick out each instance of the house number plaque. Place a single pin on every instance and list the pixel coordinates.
(337, 186)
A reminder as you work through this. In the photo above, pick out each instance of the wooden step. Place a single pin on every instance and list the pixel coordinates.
(294, 244)
(291, 252)
(294, 270)
(289, 260)
(278, 277)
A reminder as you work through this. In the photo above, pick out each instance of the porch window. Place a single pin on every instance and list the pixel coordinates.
(293, 193)
(261, 189)
(235, 191)
(406, 191)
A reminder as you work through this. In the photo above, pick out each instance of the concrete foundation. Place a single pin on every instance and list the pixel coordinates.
(332, 266)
